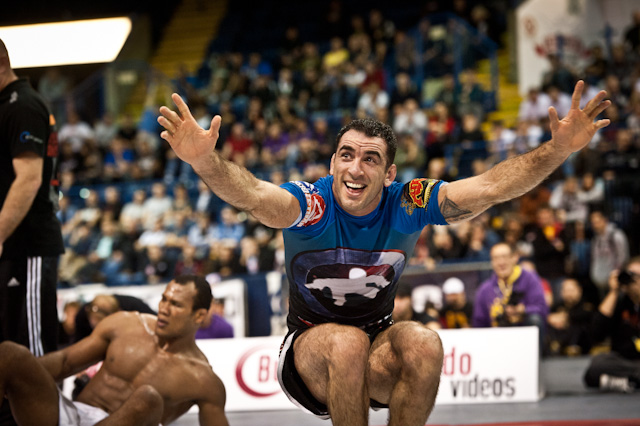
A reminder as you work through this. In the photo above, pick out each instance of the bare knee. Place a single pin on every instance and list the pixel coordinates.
(418, 348)
(348, 346)
(11, 354)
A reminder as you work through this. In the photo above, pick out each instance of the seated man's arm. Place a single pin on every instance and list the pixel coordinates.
(211, 407)
(467, 198)
(270, 204)
(83, 354)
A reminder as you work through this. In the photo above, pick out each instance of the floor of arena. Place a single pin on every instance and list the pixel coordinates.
(566, 403)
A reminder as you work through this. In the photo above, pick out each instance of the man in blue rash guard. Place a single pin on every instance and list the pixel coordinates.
(347, 239)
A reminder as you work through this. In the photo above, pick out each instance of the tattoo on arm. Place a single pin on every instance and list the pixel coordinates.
(452, 212)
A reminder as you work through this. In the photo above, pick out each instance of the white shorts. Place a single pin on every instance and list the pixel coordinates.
(78, 414)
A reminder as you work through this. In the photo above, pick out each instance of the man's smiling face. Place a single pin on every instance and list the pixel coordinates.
(360, 171)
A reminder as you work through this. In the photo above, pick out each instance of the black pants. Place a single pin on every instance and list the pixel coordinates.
(28, 312)
(613, 365)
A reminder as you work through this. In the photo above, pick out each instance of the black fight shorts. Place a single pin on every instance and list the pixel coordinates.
(293, 385)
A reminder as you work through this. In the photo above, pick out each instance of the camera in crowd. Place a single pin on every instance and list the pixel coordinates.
(626, 277)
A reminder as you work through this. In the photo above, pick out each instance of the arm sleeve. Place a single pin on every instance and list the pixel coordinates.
(28, 130)
(312, 203)
(419, 204)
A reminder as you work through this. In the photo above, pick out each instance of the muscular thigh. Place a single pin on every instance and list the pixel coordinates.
(327, 347)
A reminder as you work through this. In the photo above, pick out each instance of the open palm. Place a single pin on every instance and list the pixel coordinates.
(189, 141)
(574, 131)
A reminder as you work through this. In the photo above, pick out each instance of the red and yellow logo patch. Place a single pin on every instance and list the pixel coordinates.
(417, 194)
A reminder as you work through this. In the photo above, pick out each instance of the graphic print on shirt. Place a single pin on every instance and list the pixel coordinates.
(346, 283)
(315, 204)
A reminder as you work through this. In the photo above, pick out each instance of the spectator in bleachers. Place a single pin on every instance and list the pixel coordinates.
(618, 318)
(456, 311)
(615, 93)
(512, 296)
(337, 54)
(404, 51)
(105, 130)
(444, 245)
(478, 243)
(550, 248)
(609, 249)
(75, 131)
(534, 107)
(558, 75)
(596, 69)
(91, 212)
(403, 90)
(622, 163)
(569, 321)
(200, 234)
(66, 211)
(215, 326)
(156, 265)
(469, 95)
(155, 206)
(133, 211)
(181, 202)
(440, 131)
(565, 199)
(410, 119)
(372, 98)
(229, 227)
(188, 263)
(410, 157)
(223, 261)
(112, 205)
(531, 202)
(156, 236)
(78, 244)
(118, 160)
(561, 101)
(632, 36)
(502, 141)
(469, 130)
(622, 66)
(403, 309)
(207, 202)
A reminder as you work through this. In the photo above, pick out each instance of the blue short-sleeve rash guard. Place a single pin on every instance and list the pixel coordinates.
(343, 268)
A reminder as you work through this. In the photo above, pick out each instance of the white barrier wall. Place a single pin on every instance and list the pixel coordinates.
(480, 366)
(581, 23)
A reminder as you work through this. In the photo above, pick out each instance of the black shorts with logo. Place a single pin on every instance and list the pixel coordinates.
(293, 385)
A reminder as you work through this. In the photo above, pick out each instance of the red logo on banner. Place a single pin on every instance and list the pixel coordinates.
(257, 372)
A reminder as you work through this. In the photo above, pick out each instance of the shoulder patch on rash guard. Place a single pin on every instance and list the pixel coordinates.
(315, 204)
(416, 194)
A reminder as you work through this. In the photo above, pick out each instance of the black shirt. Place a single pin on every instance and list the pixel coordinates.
(27, 126)
(623, 327)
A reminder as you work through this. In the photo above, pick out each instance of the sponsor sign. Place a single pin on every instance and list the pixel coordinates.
(492, 365)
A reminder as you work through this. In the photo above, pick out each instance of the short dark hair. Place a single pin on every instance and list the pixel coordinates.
(203, 297)
(373, 128)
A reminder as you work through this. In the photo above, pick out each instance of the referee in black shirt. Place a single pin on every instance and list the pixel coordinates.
(30, 237)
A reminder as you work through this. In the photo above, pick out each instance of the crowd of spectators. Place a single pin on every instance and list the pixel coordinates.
(132, 213)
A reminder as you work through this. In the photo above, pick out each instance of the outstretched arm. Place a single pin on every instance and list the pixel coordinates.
(467, 198)
(270, 204)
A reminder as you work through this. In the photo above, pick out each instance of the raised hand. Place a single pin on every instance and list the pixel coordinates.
(574, 131)
(188, 140)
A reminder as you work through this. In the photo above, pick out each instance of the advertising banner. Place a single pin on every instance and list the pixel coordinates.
(480, 366)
